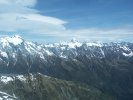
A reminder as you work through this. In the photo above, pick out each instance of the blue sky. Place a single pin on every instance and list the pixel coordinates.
(90, 13)
(62, 20)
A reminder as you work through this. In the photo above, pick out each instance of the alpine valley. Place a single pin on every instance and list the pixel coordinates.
(65, 71)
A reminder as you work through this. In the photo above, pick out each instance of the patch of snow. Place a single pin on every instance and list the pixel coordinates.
(6, 79)
(128, 55)
(5, 93)
(102, 52)
(21, 77)
(94, 44)
(39, 47)
(32, 48)
(41, 56)
(63, 48)
(14, 95)
(49, 45)
(28, 49)
(7, 64)
(73, 45)
(9, 99)
(15, 40)
(13, 55)
(32, 76)
(77, 44)
(4, 42)
(30, 43)
(62, 56)
(4, 54)
(75, 60)
(48, 52)
(125, 48)
(1, 98)
(6, 96)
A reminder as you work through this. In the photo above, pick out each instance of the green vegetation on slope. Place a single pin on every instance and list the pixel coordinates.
(40, 87)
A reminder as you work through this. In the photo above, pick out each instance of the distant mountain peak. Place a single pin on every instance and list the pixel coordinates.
(15, 40)
(74, 40)
(17, 36)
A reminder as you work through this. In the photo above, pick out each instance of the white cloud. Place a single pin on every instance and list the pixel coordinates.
(95, 34)
(45, 19)
(18, 15)
(18, 6)
(30, 22)
(28, 3)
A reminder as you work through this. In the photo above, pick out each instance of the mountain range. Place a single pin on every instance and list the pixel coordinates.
(65, 71)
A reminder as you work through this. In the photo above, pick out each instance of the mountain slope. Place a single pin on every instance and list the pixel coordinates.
(107, 67)
(15, 51)
(40, 87)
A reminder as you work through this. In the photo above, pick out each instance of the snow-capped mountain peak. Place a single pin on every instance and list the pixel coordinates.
(74, 40)
(15, 40)
(13, 47)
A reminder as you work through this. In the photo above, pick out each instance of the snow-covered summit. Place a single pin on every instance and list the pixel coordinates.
(15, 40)
(74, 40)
